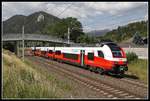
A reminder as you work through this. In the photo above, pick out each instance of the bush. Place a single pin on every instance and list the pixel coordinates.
(131, 56)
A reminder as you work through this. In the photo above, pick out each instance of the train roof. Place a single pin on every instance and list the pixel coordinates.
(59, 48)
(100, 47)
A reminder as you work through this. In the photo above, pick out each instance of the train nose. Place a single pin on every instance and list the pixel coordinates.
(120, 68)
(123, 68)
(126, 68)
(120, 62)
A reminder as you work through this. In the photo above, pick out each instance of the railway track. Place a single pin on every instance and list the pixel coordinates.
(101, 93)
(109, 91)
(127, 85)
(135, 82)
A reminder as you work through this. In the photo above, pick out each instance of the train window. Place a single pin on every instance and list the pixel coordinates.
(90, 56)
(70, 56)
(100, 54)
(58, 52)
(116, 53)
(50, 51)
(113, 48)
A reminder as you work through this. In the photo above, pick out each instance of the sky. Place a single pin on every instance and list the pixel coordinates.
(92, 15)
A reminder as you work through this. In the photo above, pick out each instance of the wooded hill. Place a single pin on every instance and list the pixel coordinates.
(30, 22)
(44, 23)
(127, 31)
(54, 26)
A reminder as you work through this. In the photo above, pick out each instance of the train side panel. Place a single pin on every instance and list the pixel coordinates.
(104, 57)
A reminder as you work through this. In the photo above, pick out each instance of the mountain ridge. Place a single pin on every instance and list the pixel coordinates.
(14, 24)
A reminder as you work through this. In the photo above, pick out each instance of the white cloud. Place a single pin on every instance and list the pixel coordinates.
(85, 11)
(114, 7)
(87, 29)
(78, 9)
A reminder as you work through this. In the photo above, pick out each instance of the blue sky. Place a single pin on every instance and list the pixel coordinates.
(93, 15)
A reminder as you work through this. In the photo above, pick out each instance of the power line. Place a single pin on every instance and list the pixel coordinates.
(60, 21)
(131, 17)
(114, 17)
(110, 25)
(64, 10)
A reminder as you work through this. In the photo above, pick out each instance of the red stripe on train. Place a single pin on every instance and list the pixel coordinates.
(97, 62)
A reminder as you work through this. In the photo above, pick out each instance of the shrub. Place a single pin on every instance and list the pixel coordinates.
(131, 56)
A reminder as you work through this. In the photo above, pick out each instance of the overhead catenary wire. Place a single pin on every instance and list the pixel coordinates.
(113, 17)
(113, 24)
(131, 19)
(64, 10)
(61, 14)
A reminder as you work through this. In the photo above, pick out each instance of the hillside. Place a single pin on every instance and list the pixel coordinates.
(22, 81)
(128, 31)
(15, 23)
(26, 80)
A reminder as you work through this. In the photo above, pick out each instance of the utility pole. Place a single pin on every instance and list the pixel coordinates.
(68, 35)
(23, 43)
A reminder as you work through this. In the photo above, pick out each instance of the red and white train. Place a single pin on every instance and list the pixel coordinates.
(108, 58)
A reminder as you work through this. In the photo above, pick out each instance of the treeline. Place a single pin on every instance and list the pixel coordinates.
(54, 26)
(60, 29)
(128, 31)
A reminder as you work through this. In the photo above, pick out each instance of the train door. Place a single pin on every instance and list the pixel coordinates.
(82, 54)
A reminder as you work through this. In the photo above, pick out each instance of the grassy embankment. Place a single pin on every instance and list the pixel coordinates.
(25, 80)
(139, 68)
(21, 80)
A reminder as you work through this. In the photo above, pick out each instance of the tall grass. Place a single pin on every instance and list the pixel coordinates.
(131, 56)
(139, 67)
(136, 66)
(20, 80)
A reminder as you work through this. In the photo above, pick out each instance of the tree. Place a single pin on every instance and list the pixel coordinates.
(118, 37)
(127, 31)
(60, 29)
(81, 39)
(137, 39)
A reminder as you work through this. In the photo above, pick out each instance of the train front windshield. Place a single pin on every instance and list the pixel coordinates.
(116, 51)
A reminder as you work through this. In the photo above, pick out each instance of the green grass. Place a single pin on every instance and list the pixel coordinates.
(60, 83)
(21, 80)
(140, 68)
(26, 80)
